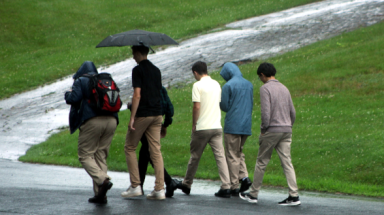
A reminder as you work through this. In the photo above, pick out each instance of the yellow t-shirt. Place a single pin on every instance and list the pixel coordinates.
(208, 92)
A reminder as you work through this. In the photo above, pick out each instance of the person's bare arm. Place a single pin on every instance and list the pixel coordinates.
(195, 115)
(135, 104)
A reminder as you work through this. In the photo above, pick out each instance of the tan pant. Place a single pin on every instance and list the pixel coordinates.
(282, 143)
(93, 146)
(151, 127)
(235, 158)
(198, 143)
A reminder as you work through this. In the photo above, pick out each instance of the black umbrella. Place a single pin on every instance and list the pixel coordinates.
(137, 37)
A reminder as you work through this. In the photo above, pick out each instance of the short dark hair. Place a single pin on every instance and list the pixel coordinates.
(142, 49)
(267, 69)
(200, 67)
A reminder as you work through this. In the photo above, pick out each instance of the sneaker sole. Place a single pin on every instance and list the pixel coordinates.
(131, 195)
(243, 198)
(291, 204)
(248, 199)
(156, 198)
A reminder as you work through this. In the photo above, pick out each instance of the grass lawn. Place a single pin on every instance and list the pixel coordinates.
(43, 40)
(337, 89)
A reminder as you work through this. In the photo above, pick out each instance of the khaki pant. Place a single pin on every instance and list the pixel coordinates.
(198, 143)
(235, 158)
(150, 126)
(282, 143)
(93, 146)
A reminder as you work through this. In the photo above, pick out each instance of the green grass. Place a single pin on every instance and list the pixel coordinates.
(43, 40)
(337, 89)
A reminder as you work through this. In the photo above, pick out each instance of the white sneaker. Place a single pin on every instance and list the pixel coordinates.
(157, 195)
(132, 192)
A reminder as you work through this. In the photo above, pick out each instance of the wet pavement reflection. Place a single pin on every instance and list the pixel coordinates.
(42, 189)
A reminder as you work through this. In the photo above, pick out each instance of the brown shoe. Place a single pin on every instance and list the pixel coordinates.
(184, 188)
(98, 200)
(103, 189)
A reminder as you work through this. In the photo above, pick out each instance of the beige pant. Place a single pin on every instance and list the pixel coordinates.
(93, 146)
(198, 143)
(282, 143)
(235, 158)
(151, 127)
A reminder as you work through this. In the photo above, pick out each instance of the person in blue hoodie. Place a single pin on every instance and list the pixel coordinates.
(96, 132)
(237, 102)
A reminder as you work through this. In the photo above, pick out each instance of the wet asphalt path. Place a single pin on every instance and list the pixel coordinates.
(42, 189)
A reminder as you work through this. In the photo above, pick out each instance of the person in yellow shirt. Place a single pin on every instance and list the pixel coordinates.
(206, 128)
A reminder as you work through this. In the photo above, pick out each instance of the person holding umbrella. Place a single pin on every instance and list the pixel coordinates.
(144, 155)
(146, 110)
(146, 118)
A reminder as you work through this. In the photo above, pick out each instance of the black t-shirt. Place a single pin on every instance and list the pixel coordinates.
(148, 77)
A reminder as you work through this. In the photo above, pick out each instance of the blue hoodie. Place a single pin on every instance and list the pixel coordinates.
(81, 111)
(237, 101)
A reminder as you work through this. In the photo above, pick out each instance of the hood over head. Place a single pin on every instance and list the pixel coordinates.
(229, 71)
(86, 68)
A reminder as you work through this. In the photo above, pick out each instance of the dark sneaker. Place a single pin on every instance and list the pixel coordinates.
(184, 188)
(248, 197)
(171, 188)
(224, 193)
(235, 192)
(103, 189)
(290, 201)
(245, 184)
(98, 200)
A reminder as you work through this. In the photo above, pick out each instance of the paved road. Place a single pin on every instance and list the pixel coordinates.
(42, 189)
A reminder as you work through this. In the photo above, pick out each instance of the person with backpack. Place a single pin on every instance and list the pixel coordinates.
(96, 128)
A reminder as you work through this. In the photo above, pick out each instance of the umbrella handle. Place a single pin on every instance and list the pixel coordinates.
(151, 49)
(147, 46)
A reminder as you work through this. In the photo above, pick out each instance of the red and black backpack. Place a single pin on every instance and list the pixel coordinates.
(104, 92)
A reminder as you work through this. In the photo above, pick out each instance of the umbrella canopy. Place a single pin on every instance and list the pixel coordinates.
(137, 37)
